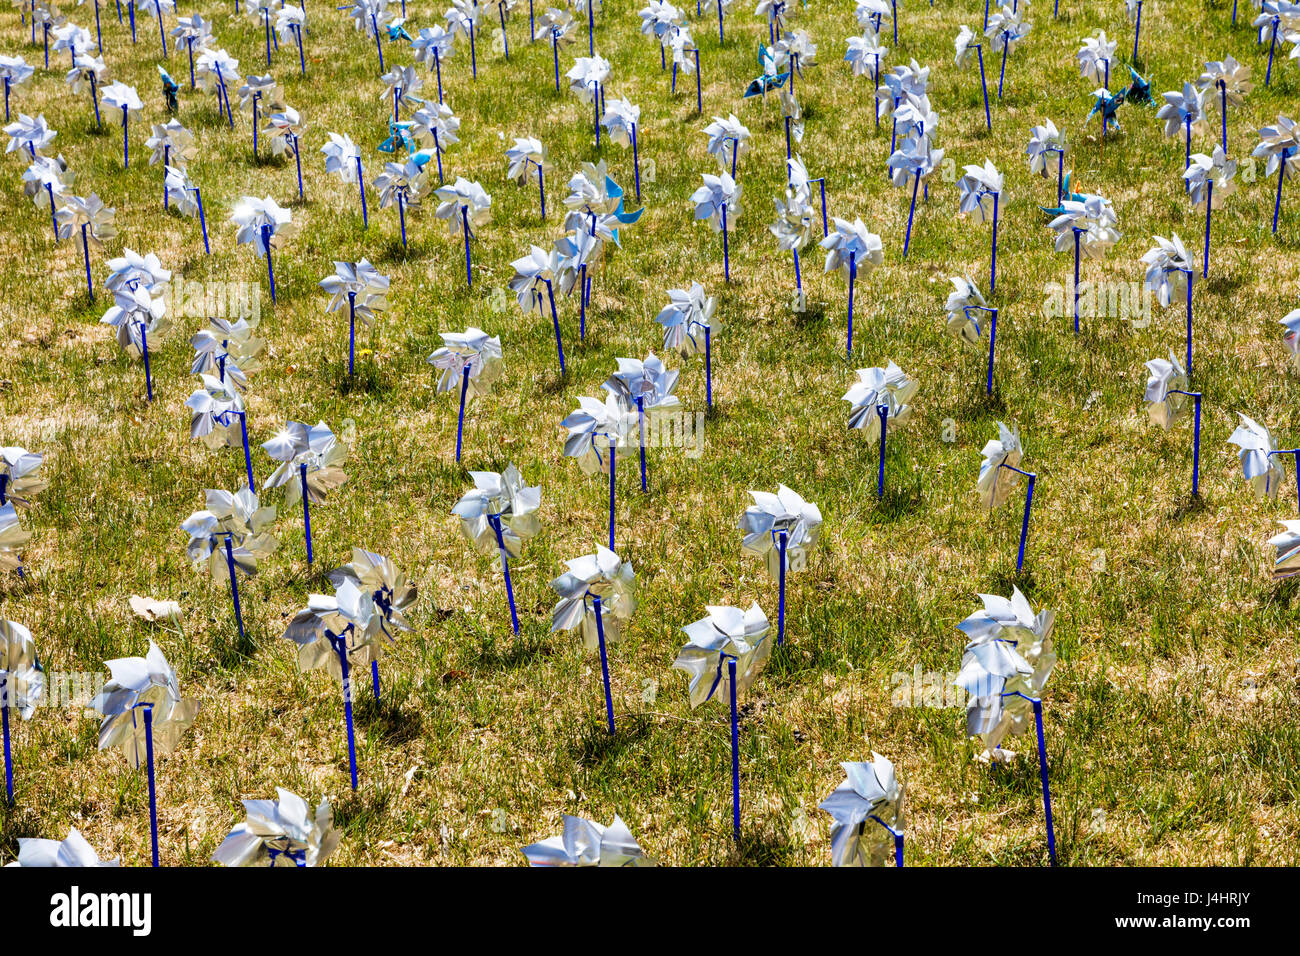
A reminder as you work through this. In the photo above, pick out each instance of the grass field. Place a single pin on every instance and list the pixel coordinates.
(1172, 717)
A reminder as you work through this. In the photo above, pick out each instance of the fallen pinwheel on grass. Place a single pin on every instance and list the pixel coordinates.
(470, 360)
(497, 517)
(598, 596)
(281, 832)
(144, 716)
(1005, 666)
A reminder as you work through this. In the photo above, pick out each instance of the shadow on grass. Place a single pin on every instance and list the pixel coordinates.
(387, 719)
(899, 501)
(517, 654)
(1187, 506)
(597, 745)
(763, 847)
(1005, 577)
(1282, 594)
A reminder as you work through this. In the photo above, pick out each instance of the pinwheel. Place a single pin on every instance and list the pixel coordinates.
(646, 387)
(1232, 82)
(363, 289)
(337, 633)
(782, 528)
(598, 595)
(366, 16)
(1183, 111)
(793, 227)
(726, 650)
(1257, 454)
(497, 516)
(1000, 454)
(171, 144)
(594, 419)
(12, 538)
(462, 17)
(1273, 14)
(234, 531)
(389, 589)
(343, 158)
(728, 140)
(1106, 105)
(799, 179)
(50, 20)
(70, 38)
(314, 457)
(587, 79)
(795, 50)
(866, 49)
(214, 67)
(263, 224)
(686, 58)
(89, 216)
(535, 270)
(1170, 269)
(438, 125)
(658, 21)
(1167, 392)
(870, 15)
(718, 201)
(879, 396)
(20, 477)
(280, 832)
(213, 410)
(285, 130)
(584, 843)
(965, 43)
(1005, 666)
(1005, 29)
(1043, 141)
(580, 252)
(186, 198)
(528, 154)
(472, 360)
(31, 134)
(689, 316)
(556, 25)
(138, 316)
(432, 45)
(22, 680)
(977, 187)
(144, 715)
(192, 32)
(1287, 562)
(621, 121)
(1280, 145)
(771, 11)
(914, 159)
(769, 79)
(1088, 222)
(119, 96)
(589, 8)
(88, 71)
(171, 91)
(289, 22)
(869, 794)
(595, 203)
(230, 348)
(849, 249)
(14, 71)
(1210, 179)
(1095, 57)
(464, 205)
(256, 88)
(1290, 321)
(962, 301)
(403, 83)
(158, 8)
(47, 181)
(74, 852)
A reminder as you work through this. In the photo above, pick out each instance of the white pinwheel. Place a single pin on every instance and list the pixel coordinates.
(781, 528)
(1169, 268)
(584, 843)
(30, 133)
(20, 476)
(686, 318)
(262, 223)
(72, 852)
(1183, 112)
(1211, 178)
(280, 832)
(1095, 58)
(1089, 224)
(718, 200)
(725, 634)
(962, 301)
(22, 680)
(143, 682)
(868, 812)
(603, 577)
(880, 394)
(361, 287)
(728, 140)
(1257, 454)
(851, 248)
(214, 408)
(597, 428)
(978, 191)
(1166, 391)
(998, 455)
(865, 54)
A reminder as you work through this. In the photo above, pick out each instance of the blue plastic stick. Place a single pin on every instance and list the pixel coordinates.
(85, 252)
(883, 412)
(495, 521)
(234, 588)
(1042, 771)
(993, 334)
(853, 275)
(361, 182)
(340, 648)
(1209, 207)
(640, 421)
(1189, 273)
(248, 457)
(1077, 233)
(144, 350)
(203, 222)
(708, 368)
(898, 850)
(460, 421)
(907, 240)
(555, 321)
(993, 265)
(374, 678)
(306, 509)
(1196, 436)
(604, 663)
(352, 329)
(4, 718)
(464, 217)
(270, 268)
(297, 158)
(735, 754)
(153, 792)
(726, 252)
(988, 117)
(613, 461)
(473, 57)
(780, 612)
(636, 164)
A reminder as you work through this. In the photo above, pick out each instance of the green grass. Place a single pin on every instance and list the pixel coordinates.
(1173, 709)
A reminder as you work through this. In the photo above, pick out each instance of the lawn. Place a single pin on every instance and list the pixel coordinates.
(1171, 720)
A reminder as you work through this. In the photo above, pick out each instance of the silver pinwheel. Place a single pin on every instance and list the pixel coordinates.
(850, 249)
(311, 465)
(584, 843)
(781, 528)
(527, 159)
(980, 189)
(404, 185)
(1046, 141)
(868, 812)
(343, 159)
(1169, 275)
(1000, 472)
(233, 533)
(363, 289)
(596, 431)
(878, 397)
(497, 516)
(725, 651)
(72, 852)
(718, 203)
(20, 476)
(1279, 146)
(464, 205)
(964, 307)
(1167, 392)
(144, 716)
(215, 409)
(88, 216)
(689, 323)
(1088, 224)
(138, 316)
(470, 360)
(646, 388)
(280, 832)
(598, 596)
(262, 224)
(1210, 181)
(22, 686)
(1257, 451)
(534, 287)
